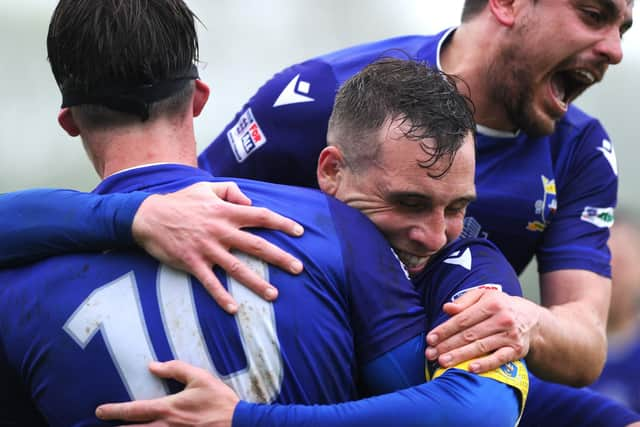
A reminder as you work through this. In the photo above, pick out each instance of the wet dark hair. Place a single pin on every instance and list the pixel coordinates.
(471, 8)
(421, 97)
(125, 55)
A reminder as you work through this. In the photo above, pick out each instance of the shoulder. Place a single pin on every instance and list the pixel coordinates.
(346, 62)
(579, 126)
(466, 264)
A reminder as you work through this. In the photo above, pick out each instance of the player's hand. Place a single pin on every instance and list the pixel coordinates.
(195, 228)
(491, 326)
(205, 401)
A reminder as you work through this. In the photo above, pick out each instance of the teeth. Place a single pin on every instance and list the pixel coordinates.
(411, 260)
(585, 76)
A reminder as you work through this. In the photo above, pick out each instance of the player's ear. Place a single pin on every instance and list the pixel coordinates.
(329, 171)
(200, 97)
(503, 11)
(67, 122)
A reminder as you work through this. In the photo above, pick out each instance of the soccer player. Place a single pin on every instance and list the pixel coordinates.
(546, 178)
(344, 170)
(546, 175)
(78, 330)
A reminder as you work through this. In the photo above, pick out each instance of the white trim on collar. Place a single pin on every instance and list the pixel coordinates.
(140, 167)
(495, 133)
(444, 37)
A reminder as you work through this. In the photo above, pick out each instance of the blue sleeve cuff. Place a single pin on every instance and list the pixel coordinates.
(38, 223)
(457, 398)
(124, 208)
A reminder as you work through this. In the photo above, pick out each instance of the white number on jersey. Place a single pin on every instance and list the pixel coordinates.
(115, 310)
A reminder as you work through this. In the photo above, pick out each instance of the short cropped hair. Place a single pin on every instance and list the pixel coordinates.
(421, 97)
(119, 47)
(471, 8)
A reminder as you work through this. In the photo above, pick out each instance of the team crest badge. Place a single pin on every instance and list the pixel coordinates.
(545, 207)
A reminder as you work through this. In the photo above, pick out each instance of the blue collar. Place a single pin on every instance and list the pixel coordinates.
(151, 177)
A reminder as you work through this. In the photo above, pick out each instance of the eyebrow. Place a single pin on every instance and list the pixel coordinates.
(467, 199)
(471, 197)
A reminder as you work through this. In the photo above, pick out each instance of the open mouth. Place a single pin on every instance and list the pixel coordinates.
(567, 85)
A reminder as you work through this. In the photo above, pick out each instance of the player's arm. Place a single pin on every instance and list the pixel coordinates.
(192, 229)
(571, 326)
(38, 223)
(574, 265)
(457, 398)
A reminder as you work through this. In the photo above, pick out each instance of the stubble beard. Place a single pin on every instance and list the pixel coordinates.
(511, 86)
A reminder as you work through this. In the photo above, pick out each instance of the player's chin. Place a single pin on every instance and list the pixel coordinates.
(416, 269)
(539, 122)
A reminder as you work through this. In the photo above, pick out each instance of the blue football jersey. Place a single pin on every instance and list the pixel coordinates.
(552, 196)
(471, 263)
(79, 330)
(464, 265)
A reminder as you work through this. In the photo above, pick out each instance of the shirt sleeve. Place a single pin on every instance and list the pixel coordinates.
(458, 398)
(465, 265)
(38, 223)
(284, 123)
(400, 368)
(587, 195)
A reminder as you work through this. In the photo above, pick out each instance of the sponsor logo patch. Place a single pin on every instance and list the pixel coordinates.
(600, 217)
(245, 136)
(546, 206)
(489, 286)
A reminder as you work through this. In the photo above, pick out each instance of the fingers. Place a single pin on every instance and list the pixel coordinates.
(494, 360)
(196, 228)
(250, 216)
(260, 248)
(470, 309)
(455, 327)
(141, 410)
(465, 345)
(237, 269)
(193, 403)
(177, 370)
(491, 352)
(203, 272)
(463, 302)
(230, 192)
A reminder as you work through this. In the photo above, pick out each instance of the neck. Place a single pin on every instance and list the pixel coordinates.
(158, 141)
(469, 55)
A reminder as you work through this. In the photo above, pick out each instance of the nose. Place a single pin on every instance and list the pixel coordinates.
(611, 46)
(430, 234)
